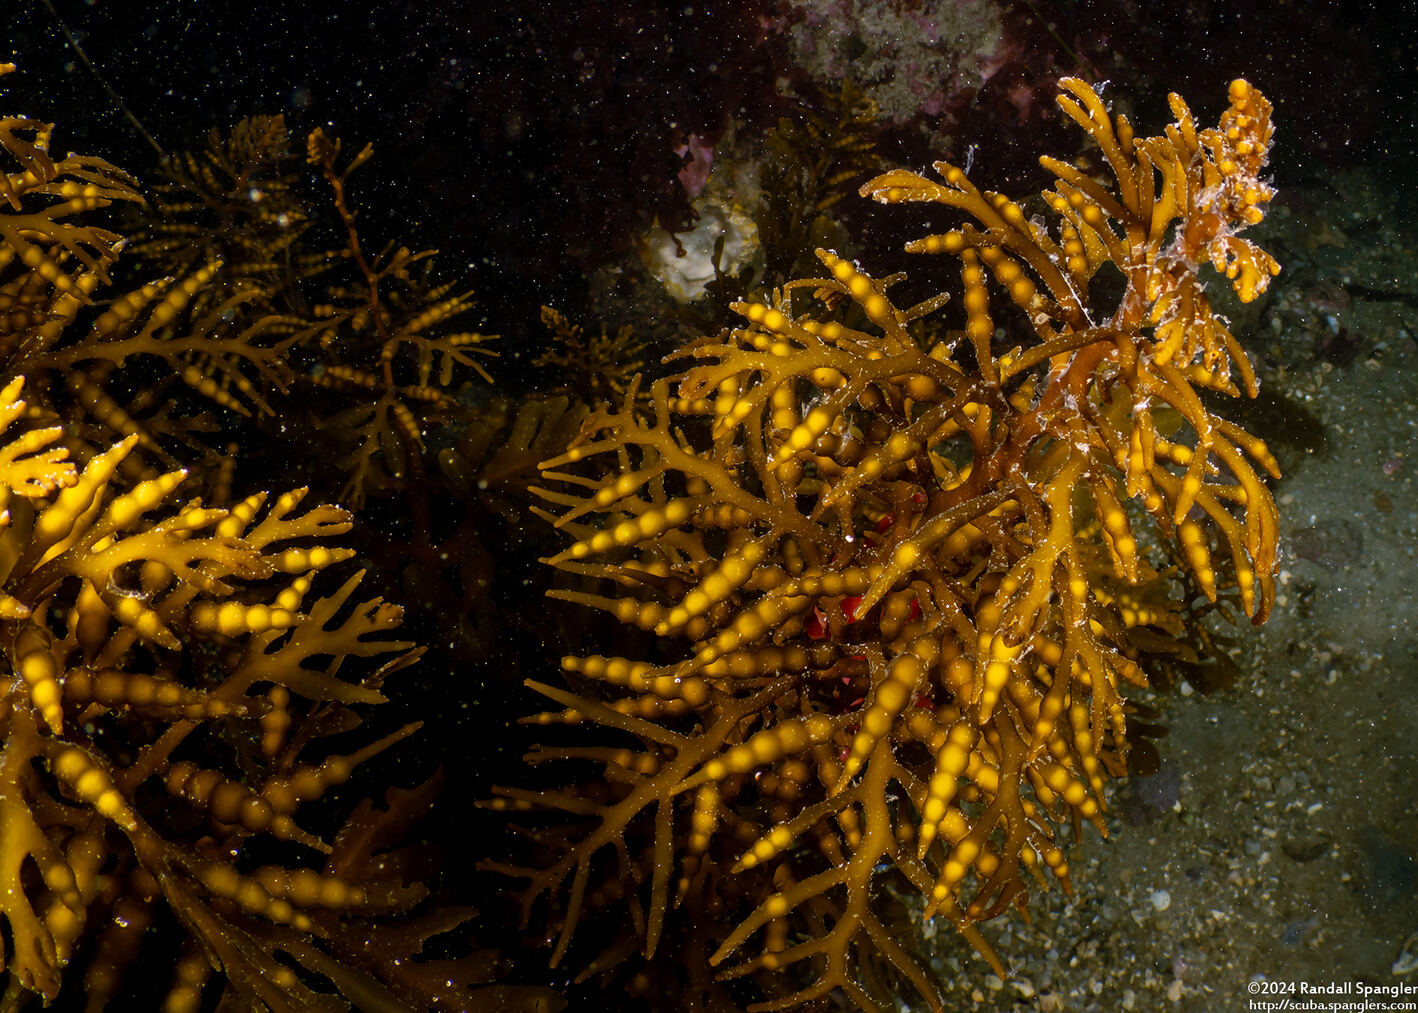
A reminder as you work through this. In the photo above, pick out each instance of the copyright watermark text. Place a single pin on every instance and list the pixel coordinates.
(1330, 995)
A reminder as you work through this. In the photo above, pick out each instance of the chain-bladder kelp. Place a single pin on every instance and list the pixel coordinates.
(184, 687)
(891, 592)
(160, 363)
(596, 370)
(809, 161)
(364, 360)
(251, 308)
(236, 201)
(393, 352)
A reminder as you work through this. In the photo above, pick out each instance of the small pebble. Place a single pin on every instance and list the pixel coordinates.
(1174, 991)
(1161, 899)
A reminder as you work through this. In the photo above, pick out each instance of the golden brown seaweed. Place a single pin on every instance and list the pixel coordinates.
(886, 591)
(176, 670)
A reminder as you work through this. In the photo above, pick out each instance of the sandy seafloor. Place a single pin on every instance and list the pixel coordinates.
(1288, 853)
